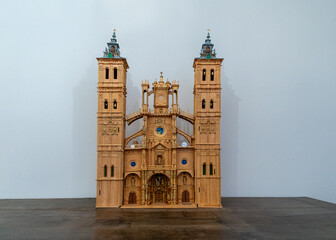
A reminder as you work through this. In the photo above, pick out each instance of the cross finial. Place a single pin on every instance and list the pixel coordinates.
(208, 29)
(114, 34)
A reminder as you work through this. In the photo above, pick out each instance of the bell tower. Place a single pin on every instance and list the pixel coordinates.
(207, 111)
(112, 69)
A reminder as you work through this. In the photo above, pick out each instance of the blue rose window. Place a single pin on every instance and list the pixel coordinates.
(133, 164)
(159, 130)
(184, 162)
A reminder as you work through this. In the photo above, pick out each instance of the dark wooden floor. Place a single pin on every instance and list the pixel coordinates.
(240, 218)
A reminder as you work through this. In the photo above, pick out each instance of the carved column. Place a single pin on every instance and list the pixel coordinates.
(143, 187)
(174, 187)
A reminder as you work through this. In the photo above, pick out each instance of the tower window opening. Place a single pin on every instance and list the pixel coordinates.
(107, 73)
(211, 104)
(145, 97)
(203, 103)
(204, 168)
(203, 75)
(115, 104)
(105, 171)
(105, 104)
(112, 171)
(211, 169)
(113, 49)
(115, 73)
(207, 50)
(212, 75)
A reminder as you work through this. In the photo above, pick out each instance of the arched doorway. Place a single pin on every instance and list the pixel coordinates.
(159, 189)
(185, 196)
(132, 198)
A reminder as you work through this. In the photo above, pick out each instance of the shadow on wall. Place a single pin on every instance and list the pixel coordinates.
(229, 139)
(84, 163)
(84, 160)
(133, 104)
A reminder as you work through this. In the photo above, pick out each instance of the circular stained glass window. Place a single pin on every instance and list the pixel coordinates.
(133, 164)
(159, 130)
(184, 162)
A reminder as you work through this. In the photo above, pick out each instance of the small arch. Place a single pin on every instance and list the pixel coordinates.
(136, 174)
(203, 104)
(212, 75)
(112, 171)
(107, 73)
(105, 171)
(207, 50)
(203, 75)
(113, 49)
(115, 73)
(185, 196)
(204, 169)
(187, 173)
(115, 105)
(211, 104)
(105, 104)
(211, 169)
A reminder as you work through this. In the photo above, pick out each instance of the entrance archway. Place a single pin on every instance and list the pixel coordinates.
(132, 198)
(159, 189)
(185, 196)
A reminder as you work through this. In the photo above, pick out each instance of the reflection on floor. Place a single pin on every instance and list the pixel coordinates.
(240, 218)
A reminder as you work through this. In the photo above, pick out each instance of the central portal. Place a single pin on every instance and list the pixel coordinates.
(159, 189)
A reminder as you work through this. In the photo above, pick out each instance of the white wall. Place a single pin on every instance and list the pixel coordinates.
(278, 97)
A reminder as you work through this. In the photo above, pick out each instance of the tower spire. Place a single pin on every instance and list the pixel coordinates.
(208, 50)
(114, 36)
(113, 50)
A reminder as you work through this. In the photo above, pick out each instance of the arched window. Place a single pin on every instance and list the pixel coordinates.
(115, 73)
(207, 50)
(112, 171)
(113, 49)
(105, 171)
(204, 168)
(115, 104)
(211, 169)
(203, 75)
(211, 104)
(203, 103)
(105, 104)
(212, 75)
(107, 73)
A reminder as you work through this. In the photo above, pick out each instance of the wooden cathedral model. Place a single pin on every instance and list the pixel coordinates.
(158, 171)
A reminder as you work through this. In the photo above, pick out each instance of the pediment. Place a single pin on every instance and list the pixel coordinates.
(160, 146)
